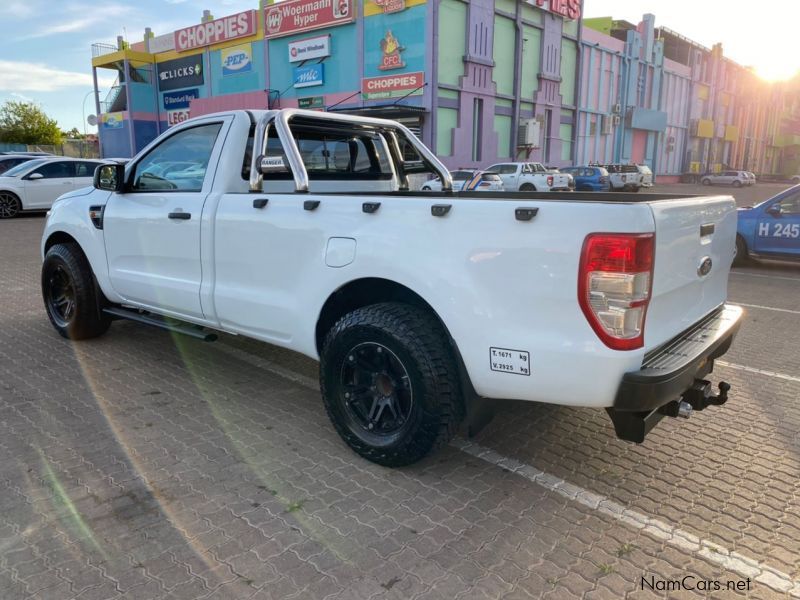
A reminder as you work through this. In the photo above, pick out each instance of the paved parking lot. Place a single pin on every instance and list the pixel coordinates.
(142, 465)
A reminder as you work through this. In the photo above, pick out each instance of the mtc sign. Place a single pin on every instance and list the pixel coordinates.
(569, 9)
(232, 27)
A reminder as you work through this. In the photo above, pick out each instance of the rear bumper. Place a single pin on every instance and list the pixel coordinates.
(670, 371)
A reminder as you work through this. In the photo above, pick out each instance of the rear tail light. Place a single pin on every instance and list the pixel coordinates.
(614, 284)
(550, 180)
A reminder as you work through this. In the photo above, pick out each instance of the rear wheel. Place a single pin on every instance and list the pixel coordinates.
(71, 298)
(706, 181)
(527, 187)
(425, 188)
(390, 383)
(10, 205)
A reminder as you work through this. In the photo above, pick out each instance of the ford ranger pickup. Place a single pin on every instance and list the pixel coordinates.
(299, 229)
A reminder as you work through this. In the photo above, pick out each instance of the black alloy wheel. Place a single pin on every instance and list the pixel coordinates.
(10, 205)
(376, 390)
(60, 296)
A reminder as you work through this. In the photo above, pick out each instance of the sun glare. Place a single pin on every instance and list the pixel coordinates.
(777, 71)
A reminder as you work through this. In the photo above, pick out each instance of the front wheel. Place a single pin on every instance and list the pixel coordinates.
(737, 184)
(390, 383)
(706, 182)
(10, 206)
(72, 301)
(425, 188)
(741, 256)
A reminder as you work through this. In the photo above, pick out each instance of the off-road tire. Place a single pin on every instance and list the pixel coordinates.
(418, 340)
(66, 262)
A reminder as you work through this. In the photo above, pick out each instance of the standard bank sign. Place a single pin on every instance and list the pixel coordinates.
(237, 59)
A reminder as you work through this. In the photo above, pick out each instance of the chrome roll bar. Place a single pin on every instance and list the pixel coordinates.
(280, 120)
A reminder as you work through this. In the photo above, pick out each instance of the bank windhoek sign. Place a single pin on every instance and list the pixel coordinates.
(294, 16)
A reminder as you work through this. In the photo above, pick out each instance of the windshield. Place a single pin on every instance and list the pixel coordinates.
(14, 171)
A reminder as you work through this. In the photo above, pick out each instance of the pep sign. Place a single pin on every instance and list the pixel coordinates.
(238, 59)
(232, 27)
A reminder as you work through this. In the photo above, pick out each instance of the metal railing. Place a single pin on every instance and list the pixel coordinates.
(102, 49)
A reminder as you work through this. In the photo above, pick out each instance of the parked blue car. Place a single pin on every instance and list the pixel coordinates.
(770, 229)
(589, 179)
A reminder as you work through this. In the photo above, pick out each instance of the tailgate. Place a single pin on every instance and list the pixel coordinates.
(689, 233)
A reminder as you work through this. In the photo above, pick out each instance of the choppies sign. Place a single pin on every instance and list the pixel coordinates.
(570, 9)
(232, 27)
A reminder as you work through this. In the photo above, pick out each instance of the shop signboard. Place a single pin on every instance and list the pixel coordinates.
(296, 16)
(569, 9)
(392, 86)
(175, 100)
(174, 117)
(309, 48)
(112, 120)
(161, 43)
(237, 59)
(180, 73)
(390, 50)
(309, 75)
(390, 6)
(228, 28)
(311, 103)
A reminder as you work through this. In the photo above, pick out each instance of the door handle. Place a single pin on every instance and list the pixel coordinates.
(181, 216)
(260, 202)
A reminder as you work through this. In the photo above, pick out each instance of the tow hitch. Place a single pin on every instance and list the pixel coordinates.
(634, 426)
(700, 396)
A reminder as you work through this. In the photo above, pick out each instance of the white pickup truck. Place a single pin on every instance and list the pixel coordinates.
(530, 177)
(298, 228)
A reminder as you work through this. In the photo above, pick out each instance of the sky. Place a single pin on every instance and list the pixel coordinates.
(46, 51)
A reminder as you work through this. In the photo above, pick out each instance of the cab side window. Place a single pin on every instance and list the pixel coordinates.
(56, 170)
(790, 205)
(85, 169)
(179, 163)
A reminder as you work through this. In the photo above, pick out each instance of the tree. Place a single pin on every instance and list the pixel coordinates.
(73, 134)
(27, 123)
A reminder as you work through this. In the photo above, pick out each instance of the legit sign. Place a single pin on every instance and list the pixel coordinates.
(176, 116)
(232, 27)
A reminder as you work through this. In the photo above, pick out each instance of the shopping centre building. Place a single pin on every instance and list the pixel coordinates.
(479, 81)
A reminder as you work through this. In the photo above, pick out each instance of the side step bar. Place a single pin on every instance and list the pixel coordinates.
(154, 321)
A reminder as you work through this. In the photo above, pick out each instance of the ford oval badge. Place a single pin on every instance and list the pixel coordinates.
(705, 266)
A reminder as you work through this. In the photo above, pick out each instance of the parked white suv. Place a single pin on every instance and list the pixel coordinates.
(468, 179)
(35, 184)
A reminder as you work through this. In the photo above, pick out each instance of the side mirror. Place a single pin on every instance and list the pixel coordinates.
(34, 176)
(109, 177)
(774, 210)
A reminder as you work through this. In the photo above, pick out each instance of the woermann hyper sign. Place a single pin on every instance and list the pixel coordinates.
(295, 16)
